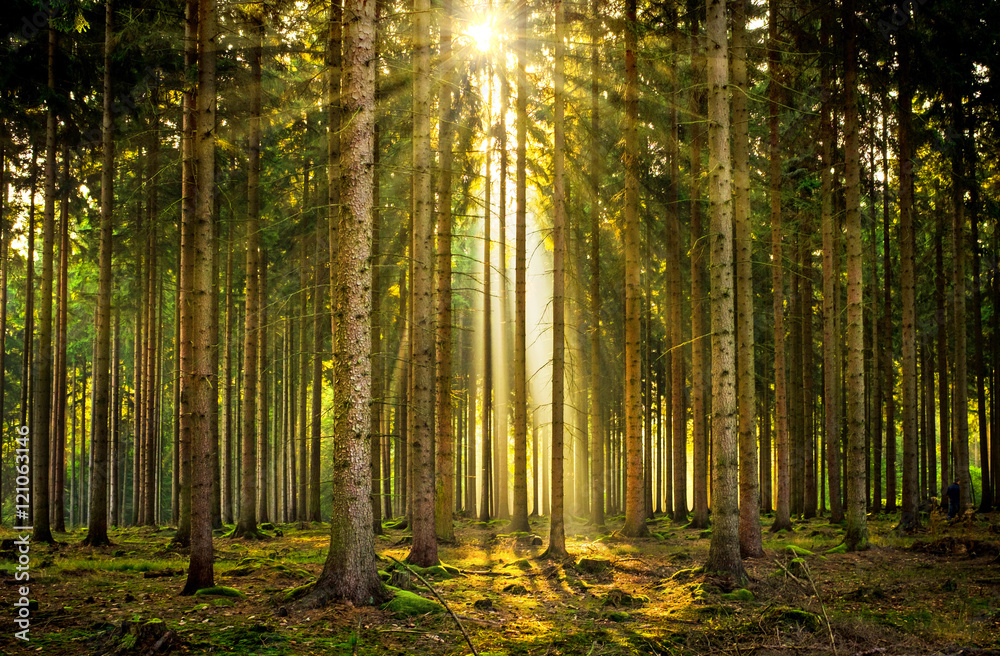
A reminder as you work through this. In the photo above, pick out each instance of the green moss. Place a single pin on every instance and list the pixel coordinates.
(839, 549)
(618, 616)
(220, 591)
(295, 593)
(738, 595)
(408, 604)
(798, 551)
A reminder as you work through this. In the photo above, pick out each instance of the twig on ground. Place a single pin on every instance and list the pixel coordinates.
(447, 607)
(822, 607)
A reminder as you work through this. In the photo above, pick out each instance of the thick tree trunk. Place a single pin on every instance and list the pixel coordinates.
(350, 571)
(749, 507)
(200, 570)
(724, 550)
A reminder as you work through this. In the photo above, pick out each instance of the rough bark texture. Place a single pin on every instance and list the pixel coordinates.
(749, 530)
(700, 327)
(424, 550)
(444, 497)
(557, 535)
(856, 536)
(831, 286)
(247, 523)
(350, 571)
(97, 530)
(724, 550)
(200, 570)
(782, 519)
(596, 426)
(907, 255)
(42, 365)
(678, 411)
(635, 516)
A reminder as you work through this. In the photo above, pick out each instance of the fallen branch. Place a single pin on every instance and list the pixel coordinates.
(822, 607)
(447, 607)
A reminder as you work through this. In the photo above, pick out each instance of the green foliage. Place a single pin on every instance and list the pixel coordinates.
(407, 604)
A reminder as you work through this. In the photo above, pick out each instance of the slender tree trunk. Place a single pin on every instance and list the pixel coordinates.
(62, 319)
(227, 386)
(887, 369)
(700, 327)
(246, 525)
(960, 415)
(678, 411)
(97, 531)
(907, 239)
(42, 366)
(942, 354)
(262, 397)
(557, 535)
(856, 537)
(424, 550)
(317, 380)
(831, 286)
(782, 519)
(597, 484)
(444, 480)
(749, 528)
(635, 516)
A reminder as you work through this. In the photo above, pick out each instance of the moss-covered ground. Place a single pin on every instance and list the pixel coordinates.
(934, 592)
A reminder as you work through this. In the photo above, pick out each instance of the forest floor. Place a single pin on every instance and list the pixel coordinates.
(935, 592)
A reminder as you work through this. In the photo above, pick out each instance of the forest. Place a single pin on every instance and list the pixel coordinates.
(500, 327)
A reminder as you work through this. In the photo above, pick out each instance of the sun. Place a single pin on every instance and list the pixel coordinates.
(481, 33)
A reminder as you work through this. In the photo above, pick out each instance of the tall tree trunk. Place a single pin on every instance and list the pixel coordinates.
(381, 488)
(986, 501)
(486, 421)
(831, 285)
(960, 415)
(62, 319)
(782, 519)
(724, 550)
(42, 366)
(200, 570)
(350, 571)
(227, 386)
(317, 379)
(557, 531)
(263, 409)
(808, 395)
(887, 369)
(700, 327)
(749, 528)
(856, 537)
(942, 352)
(907, 255)
(678, 411)
(444, 496)
(5, 233)
(635, 515)
(424, 550)
(246, 526)
(97, 530)
(596, 428)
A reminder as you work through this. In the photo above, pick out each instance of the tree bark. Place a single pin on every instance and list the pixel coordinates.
(200, 569)
(444, 496)
(350, 571)
(596, 428)
(856, 537)
(749, 493)
(424, 549)
(724, 549)
(635, 515)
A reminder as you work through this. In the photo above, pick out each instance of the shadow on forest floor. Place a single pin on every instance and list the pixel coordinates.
(936, 592)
